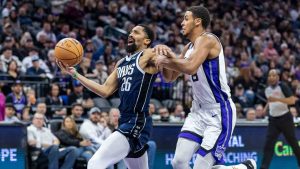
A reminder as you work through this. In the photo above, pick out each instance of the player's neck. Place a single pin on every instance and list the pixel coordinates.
(195, 34)
(136, 51)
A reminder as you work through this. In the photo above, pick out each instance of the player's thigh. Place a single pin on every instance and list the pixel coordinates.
(185, 149)
(137, 163)
(194, 123)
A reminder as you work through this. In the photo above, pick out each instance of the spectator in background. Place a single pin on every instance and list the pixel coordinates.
(85, 68)
(25, 48)
(164, 114)
(27, 61)
(41, 108)
(178, 115)
(42, 138)
(6, 57)
(78, 96)
(250, 115)
(12, 71)
(105, 116)
(239, 96)
(10, 114)
(270, 52)
(50, 62)
(31, 97)
(26, 116)
(10, 43)
(47, 30)
(65, 29)
(98, 38)
(260, 112)
(294, 113)
(100, 72)
(76, 112)
(53, 100)
(162, 89)
(35, 69)
(12, 74)
(92, 130)
(17, 97)
(239, 111)
(114, 115)
(68, 135)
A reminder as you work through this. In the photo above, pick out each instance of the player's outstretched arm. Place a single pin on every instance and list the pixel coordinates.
(105, 90)
(189, 65)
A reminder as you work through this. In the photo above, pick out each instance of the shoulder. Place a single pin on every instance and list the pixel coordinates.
(30, 128)
(207, 39)
(120, 61)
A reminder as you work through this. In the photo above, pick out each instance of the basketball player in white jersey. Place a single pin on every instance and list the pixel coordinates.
(210, 124)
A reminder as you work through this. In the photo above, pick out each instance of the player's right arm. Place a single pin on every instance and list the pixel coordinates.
(105, 90)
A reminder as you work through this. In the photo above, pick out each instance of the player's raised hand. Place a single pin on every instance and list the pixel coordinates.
(70, 70)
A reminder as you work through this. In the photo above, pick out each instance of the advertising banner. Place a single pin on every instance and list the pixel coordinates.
(13, 140)
(246, 142)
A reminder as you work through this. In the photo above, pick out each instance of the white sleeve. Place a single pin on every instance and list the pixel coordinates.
(30, 134)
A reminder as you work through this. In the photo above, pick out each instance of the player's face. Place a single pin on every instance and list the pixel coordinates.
(136, 39)
(273, 77)
(188, 23)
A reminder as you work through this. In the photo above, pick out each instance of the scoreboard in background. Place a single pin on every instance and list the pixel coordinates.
(247, 142)
(13, 146)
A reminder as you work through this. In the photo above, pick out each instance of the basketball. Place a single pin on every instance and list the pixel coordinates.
(69, 51)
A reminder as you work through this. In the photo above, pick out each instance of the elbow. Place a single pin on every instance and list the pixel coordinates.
(104, 95)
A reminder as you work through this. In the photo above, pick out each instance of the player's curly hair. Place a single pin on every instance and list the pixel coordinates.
(149, 32)
(202, 13)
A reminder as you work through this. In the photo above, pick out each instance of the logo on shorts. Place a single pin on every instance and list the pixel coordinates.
(219, 152)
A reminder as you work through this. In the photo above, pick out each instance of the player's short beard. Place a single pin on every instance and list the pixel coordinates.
(131, 48)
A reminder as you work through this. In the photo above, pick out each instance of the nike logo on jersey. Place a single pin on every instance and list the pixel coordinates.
(214, 115)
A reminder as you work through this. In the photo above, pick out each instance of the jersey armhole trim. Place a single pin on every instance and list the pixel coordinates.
(137, 63)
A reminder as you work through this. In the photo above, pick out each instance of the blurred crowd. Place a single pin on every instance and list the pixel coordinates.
(256, 37)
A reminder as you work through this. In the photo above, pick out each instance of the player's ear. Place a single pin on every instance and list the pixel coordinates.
(147, 42)
(198, 21)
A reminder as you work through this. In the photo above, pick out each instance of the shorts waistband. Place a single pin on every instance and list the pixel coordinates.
(210, 105)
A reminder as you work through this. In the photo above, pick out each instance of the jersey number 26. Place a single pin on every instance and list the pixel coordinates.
(126, 84)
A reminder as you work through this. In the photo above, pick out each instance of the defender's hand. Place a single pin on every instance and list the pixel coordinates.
(161, 50)
(160, 61)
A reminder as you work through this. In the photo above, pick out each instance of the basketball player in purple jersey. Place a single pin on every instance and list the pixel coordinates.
(210, 123)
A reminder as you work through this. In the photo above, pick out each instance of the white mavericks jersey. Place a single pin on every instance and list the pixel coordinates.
(210, 82)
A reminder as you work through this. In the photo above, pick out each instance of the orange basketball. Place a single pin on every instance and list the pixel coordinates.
(69, 51)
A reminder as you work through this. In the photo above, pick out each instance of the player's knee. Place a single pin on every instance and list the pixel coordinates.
(179, 163)
(93, 164)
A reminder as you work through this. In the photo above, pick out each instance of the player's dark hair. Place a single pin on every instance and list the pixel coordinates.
(149, 32)
(202, 13)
